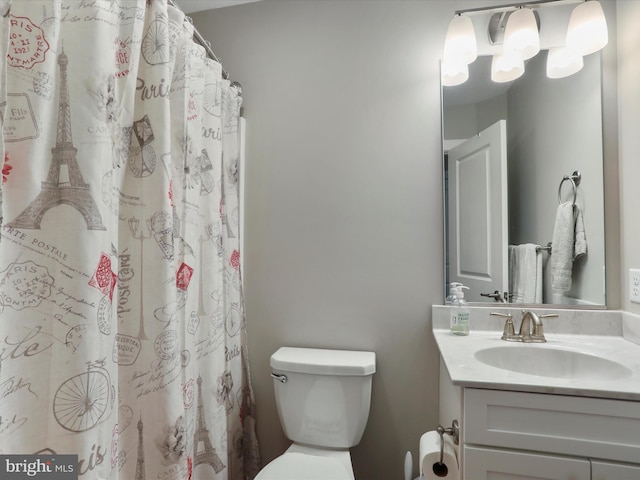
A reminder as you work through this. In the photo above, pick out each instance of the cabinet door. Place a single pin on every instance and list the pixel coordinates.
(614, 471)
(489, 464)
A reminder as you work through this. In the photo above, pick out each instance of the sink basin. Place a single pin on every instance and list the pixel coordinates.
(550, 361)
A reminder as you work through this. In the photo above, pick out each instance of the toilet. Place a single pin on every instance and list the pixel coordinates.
(323, 398)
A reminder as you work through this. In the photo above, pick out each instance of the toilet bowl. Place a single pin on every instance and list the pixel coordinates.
(306, 463)
(323, 399)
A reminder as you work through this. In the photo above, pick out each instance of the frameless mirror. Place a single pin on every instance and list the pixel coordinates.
(510, 154)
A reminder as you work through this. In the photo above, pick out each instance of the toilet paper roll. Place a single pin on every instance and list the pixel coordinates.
(430, 467)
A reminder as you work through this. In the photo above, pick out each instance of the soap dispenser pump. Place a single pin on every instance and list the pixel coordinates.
(451, 298)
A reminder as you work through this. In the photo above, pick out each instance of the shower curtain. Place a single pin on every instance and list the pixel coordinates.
(122, 334)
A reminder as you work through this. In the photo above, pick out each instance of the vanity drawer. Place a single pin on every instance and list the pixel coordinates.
(613, 471)
(494, 464)
(581, 426)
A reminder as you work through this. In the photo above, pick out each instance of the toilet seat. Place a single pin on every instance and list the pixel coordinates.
(309, 465)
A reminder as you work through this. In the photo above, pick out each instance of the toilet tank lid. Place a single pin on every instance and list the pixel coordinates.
(321, 361)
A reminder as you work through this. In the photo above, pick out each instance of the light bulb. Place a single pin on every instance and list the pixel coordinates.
(587, 30)
(521, 36)
(562, 62)
(505, 68)
(460, 44)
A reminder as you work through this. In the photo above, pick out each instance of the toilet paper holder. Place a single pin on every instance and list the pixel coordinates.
(453, 430)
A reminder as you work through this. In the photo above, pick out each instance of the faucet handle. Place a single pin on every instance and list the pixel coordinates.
(548, 315)
(509, 332)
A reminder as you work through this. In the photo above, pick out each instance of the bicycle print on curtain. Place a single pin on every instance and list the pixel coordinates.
(122, 335)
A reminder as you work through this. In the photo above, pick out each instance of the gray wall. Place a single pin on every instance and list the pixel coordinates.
(629, 141)
(344, 234)
(465, 121)
(344, 238)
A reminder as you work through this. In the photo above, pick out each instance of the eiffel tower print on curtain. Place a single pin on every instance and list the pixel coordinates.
(207, 454)
(53, 191)
(140, 469)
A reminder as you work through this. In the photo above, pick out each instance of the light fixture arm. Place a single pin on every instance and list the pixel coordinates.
(513, 6)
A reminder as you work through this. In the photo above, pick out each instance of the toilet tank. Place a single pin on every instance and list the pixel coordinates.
(324, 397)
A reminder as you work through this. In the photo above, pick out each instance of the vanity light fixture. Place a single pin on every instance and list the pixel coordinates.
(460, 44)
(454, 73)
(563, 62)
(521, 38)
(514, 31)
(587, 31)
(505, 68)
(460, 49)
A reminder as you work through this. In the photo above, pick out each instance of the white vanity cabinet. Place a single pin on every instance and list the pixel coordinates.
(614, 471)
(508, 434)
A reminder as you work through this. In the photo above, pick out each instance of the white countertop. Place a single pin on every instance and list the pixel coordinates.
(465, 370)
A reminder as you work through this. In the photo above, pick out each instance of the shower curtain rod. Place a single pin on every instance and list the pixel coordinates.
(207, 46)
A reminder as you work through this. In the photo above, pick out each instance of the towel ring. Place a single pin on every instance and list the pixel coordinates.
(574, 178)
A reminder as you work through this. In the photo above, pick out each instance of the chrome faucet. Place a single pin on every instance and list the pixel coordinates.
(531, 328)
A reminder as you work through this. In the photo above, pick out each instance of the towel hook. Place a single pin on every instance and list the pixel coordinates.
(575, 179)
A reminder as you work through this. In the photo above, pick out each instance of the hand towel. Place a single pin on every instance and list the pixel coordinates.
(525, 273)
(569, 243)
(539, 276)
(580, 245)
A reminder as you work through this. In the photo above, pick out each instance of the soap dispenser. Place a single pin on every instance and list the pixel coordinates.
(461, 316)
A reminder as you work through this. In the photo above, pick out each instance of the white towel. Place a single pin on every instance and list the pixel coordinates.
(525, 273)
(569, 243)
(580, 245)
